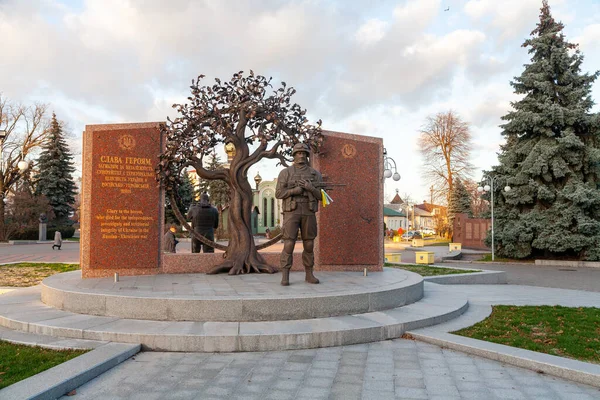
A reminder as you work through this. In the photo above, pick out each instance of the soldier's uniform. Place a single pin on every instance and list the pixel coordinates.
(298, 211)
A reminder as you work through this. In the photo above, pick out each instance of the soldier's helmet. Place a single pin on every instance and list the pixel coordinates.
(300, 147)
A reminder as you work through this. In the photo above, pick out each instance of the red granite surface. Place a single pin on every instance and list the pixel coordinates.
(202, 262)
(350, 230)
(121, 203)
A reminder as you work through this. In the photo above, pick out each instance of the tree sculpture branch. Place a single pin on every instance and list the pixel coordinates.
(240, 112)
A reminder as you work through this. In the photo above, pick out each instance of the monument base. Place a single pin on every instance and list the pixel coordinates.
(363, 309)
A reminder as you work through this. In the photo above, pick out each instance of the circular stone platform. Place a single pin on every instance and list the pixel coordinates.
(224, 298)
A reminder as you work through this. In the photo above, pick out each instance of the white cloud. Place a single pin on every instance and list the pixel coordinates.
(375, 70)
(510, 17)
(589, 40)
(371, 32)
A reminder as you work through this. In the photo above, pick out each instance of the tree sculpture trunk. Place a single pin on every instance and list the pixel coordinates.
(242, 256)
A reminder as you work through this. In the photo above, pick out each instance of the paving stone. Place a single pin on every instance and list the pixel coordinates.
(350, 369)
(215, 390)
(377, 395)
(280, 394)
(318, 382)
(441, 389)
(382, 386)
(405, 382)
(325, 364)
(287, 384)
(313, 393)
(322, 373)
(476, 395)
(509, 394)
(410, 373)
(411, 393)
(470, 385)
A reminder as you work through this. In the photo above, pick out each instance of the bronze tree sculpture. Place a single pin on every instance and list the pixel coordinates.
(259, 125)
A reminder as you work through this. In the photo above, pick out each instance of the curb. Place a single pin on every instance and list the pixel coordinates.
(484, 277)
(565, 368)
(472, 278)
(61, 379)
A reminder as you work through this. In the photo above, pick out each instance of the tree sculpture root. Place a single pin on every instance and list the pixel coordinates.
(239, 264)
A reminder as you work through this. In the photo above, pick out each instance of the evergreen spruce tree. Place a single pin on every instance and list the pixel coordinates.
(551, 158)
(55, 179)
(460, 201)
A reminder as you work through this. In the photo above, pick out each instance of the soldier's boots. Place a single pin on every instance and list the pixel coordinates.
(285, 277)
(308, 259)
(285, 262)
(310, 278)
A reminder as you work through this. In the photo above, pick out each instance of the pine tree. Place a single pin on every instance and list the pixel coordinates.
(55, 179)
(551, 158)
(460, 201)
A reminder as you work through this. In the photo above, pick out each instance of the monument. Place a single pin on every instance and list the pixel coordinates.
(122, 206)
(200, 310)
(43, 227)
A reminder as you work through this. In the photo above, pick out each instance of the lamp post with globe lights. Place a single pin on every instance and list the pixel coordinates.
(490, 188)
(387, 167)
(388, 164)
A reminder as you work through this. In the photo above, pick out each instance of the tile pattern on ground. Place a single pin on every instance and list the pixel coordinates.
(396, 369)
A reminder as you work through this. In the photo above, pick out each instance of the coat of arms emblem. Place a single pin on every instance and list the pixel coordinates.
(126, 142)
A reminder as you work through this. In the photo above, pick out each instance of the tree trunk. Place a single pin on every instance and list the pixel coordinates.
(2, 216)
(242, 256)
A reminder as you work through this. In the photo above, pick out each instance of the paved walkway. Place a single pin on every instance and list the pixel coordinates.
(396, 369)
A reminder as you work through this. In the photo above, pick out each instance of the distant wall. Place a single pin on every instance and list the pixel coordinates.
(471, 232)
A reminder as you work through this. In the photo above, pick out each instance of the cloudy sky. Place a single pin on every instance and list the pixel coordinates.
(374, 68)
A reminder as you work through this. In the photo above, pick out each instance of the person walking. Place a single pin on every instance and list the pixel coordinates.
(57, 240)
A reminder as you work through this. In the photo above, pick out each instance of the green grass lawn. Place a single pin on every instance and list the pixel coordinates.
(560, 331)
(426, 270)
(18, 362)
(30, 274)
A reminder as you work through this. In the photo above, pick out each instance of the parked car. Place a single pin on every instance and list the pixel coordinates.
(427, 232)
(411, 235)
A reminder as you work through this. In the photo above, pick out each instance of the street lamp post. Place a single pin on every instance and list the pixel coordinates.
(490, 188)
(387, 167)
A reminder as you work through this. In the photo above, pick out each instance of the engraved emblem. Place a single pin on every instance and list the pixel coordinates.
(348, 151)
(126, 142)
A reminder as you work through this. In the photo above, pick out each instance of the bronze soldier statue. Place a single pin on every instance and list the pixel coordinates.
(296, 186)
(205, 219)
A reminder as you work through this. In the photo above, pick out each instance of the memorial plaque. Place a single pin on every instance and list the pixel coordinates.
(351, 229)
(121, 203)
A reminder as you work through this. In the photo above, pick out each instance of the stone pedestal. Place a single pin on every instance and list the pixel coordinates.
(43, 231)
(121, 202)
(351, 229)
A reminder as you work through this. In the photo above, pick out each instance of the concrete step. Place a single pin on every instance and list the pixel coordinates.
(224, 298)
(22, 310)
